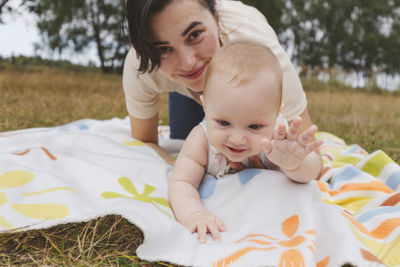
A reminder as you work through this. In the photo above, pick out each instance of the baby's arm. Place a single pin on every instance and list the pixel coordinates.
(183, 187)
(296, 154)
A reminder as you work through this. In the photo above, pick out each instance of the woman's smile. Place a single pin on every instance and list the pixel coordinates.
(194, 74)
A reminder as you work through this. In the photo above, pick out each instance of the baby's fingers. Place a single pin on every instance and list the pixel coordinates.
(202, 232)
(280, 132)
(214, 231)
(221, 225)
(307, 135)
(294, 129)
(191, 227)
(314, 146)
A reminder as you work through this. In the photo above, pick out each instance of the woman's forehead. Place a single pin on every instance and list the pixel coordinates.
(178, 17)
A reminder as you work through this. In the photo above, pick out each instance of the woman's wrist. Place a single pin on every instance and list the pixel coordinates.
(162, 153)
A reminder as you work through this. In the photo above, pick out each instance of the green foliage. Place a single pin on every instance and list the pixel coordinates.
(359, 35)
(79, 25)
(272, 10)
(6, 7)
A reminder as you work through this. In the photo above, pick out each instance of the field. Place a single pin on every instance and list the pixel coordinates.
(44, 96)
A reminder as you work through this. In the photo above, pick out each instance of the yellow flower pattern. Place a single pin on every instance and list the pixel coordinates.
(127, 184)
(44, 211)
(133, 143)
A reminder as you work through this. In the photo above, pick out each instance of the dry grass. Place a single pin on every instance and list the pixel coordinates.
(38, 96)
(105, 241)
(44, 96)
(370, 120)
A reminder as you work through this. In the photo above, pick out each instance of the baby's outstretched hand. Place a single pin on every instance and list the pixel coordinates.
(287, 148)
(203, 222)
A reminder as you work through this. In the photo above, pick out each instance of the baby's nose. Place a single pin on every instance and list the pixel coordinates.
(237, 138)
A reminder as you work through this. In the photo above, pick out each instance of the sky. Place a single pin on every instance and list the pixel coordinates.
(18, 34)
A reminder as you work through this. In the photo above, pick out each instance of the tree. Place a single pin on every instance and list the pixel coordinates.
(7, 7)
(355, 35)
(272, 10)
(4, 6)
(78, 24)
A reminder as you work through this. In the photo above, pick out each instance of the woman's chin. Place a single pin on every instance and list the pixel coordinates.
(196, 86)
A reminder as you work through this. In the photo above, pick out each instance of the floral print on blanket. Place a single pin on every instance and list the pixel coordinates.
(44, 211)
(291, 245)
(128, 185)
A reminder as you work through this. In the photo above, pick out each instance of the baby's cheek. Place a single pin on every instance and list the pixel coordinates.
(268, 133)
(258, 142)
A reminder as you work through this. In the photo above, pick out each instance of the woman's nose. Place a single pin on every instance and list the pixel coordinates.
(187, 58)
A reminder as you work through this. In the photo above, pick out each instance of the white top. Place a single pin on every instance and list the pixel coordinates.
(239, 21)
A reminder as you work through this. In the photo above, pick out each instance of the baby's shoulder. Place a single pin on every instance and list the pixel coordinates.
(196, 143)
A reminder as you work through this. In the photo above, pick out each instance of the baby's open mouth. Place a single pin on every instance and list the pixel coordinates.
(235, 150)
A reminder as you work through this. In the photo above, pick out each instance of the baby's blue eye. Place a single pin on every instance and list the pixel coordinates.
(254, 126)
(224, 123)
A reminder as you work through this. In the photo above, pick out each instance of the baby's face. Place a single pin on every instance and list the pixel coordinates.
(238, 118)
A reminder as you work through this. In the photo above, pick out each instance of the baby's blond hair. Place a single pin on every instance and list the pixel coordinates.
(238, 62)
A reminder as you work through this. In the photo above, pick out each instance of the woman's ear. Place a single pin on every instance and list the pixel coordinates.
(202, 101)
(218, 23)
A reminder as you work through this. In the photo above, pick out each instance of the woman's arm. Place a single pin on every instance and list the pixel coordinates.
(146, 130)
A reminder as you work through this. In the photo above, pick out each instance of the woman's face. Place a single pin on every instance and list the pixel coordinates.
(187, 35)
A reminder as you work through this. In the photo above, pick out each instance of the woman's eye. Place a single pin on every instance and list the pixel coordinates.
(164, 50)
(254, 126)
(194, 35)
(224, 123)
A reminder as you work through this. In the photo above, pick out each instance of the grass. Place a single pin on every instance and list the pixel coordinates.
(105, 241)
(371, 120)
(32, 96)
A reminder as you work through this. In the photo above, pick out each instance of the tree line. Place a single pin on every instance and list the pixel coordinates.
(353, 35)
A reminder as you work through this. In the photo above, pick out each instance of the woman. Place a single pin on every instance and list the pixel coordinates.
(173, 41)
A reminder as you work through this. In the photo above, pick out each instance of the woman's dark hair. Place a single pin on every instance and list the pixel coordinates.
(138, 14)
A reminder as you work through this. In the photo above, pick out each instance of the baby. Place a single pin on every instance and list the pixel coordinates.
(241, 101)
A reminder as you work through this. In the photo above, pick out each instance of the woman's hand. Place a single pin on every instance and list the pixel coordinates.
(287, 148)
(203, 222)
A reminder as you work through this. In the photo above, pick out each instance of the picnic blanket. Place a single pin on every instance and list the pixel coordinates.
(88, 168)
